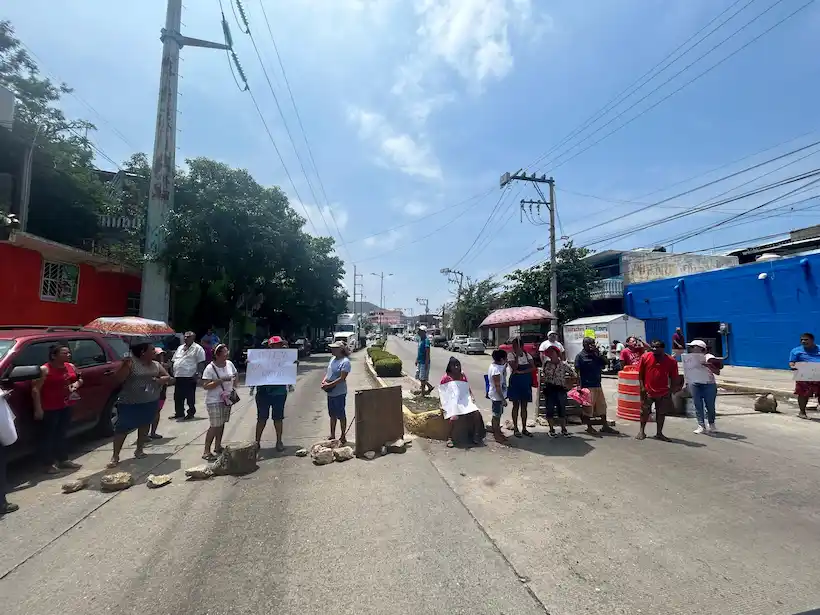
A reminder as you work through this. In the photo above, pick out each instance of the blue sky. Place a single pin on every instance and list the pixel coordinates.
(414, 108)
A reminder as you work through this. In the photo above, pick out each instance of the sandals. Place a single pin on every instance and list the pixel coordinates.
(450, 443)
(140, 454)
(552, 434)
(518, 434)
(565, 433)
(527, 433)
(209, 457)
(112, 464)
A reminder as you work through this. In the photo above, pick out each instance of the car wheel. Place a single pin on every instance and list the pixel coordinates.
(108, 418)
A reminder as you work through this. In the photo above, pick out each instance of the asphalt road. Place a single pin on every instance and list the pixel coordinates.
(726, 524)
(387, 535)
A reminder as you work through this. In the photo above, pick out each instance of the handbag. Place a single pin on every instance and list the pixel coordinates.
(229, 398)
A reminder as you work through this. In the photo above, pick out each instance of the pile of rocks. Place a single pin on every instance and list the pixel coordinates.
(328, 451)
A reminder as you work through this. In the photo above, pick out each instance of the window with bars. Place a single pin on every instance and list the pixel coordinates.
(133, 305)
(60, 282)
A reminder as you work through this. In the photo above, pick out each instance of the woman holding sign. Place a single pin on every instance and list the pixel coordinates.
(699, 369)
(473, 420)
(270, 403)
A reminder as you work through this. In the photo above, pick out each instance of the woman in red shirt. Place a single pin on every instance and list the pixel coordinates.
(53, 395)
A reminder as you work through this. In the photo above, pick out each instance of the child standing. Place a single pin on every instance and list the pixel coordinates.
(497, 391)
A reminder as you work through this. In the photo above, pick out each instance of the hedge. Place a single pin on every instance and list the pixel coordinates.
(389, 367)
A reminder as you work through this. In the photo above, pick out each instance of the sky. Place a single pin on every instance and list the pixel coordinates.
(413, 109)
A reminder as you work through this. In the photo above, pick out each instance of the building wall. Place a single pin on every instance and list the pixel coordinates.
(638, 267)
(766, 316)
(100, 293)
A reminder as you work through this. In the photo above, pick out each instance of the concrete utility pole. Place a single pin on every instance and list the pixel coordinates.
(425, 303)
(381, 295)
(506, 178)
(356, 283)
(155, 294)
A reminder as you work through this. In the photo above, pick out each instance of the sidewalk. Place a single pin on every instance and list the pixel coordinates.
(779, 382)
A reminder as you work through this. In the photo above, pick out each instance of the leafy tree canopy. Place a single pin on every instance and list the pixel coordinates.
(66, 194)
(532, 286)
(476, 301)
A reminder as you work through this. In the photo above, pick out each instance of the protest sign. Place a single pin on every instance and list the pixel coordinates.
(271, 366)
(807, 372)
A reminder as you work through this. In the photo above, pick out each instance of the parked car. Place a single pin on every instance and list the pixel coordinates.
(473, 345)
(531, 342)
(456, 343)
(323, 345)
(440, 341)
(97, 357)
(302, 345)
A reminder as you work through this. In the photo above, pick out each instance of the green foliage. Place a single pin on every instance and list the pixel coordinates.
(532, 286)
(66, 193)
(389, 367)
(475, 303)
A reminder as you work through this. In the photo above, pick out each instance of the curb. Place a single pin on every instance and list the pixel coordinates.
(779, 394)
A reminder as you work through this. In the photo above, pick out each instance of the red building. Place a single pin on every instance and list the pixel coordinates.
(47, 283)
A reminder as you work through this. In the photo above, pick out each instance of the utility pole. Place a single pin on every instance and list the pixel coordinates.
(381, 296)
(357, 283)
(155, 294)
(506, 178)
(425, 303)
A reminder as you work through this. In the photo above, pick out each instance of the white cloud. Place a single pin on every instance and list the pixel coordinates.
(385, 241)
(412, 157)
(415, 208)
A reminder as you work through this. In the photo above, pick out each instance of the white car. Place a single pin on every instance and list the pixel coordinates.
(473, 345)
(456, 343)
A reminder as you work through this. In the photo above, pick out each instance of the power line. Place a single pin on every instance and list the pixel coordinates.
(493, 212)
(641, 81)
(554, 166)
(299, 120)
(316, 200)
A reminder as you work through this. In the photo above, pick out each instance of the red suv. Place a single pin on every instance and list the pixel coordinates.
(96, 356)
(530, 342)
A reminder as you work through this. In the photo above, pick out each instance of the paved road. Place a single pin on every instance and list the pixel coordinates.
(360, 537)
(612, 525)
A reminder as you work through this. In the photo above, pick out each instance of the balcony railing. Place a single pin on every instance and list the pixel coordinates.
(609, 288)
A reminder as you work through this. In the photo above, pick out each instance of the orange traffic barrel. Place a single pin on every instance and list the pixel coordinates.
(629, 394)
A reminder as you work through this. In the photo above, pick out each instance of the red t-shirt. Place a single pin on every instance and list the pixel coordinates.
(632, 357)
(656, 374)
(54, 395)
(447, 378)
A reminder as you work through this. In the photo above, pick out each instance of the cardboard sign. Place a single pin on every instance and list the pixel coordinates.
(807, 372)
(455, 399)
(271, 366)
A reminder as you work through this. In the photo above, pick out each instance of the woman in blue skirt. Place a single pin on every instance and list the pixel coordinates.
(519, 391)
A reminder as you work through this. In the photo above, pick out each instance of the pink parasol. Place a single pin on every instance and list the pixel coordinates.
(517, 316)
(129, 325)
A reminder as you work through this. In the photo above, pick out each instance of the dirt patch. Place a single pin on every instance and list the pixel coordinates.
(417, 405)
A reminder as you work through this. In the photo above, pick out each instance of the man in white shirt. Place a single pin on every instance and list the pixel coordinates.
(188, 362)
(552, 340)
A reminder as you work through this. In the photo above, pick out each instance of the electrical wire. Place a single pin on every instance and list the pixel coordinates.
(553, 163)
(498, 205)
(641, 81)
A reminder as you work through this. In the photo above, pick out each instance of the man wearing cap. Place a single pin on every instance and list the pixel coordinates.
(552, 340)
(423, 362)
(806, 352)
(270, 403)
(699, 369)
(188, 362)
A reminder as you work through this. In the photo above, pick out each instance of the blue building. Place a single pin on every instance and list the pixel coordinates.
(766, 305)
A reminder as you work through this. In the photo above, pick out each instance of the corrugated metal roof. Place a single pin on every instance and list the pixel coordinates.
(592, 320)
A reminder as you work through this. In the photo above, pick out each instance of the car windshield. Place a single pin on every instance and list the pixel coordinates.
(474, 340)
(5, 346)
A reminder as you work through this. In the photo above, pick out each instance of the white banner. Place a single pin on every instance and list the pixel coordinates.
(271, 366)
(807, 372)
(455, 399)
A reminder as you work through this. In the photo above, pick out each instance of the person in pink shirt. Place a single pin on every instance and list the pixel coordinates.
(631, 355)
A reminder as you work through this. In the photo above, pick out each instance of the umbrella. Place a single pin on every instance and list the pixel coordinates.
(129, 325)
(517, 316)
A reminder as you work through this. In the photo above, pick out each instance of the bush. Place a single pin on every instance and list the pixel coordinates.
(377, 353)
(388, 366)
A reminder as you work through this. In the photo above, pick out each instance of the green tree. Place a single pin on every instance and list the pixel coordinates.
(66, 194)
(532, 286)
(474, 304)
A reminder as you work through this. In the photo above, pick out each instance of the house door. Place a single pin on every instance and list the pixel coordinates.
(658, 329)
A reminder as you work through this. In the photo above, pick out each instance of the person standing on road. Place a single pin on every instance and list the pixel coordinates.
(590, 364)
(658, 375)
(219, 384)
(806, 352)
(423, 362)
(53, 394)
(497, 391)
(519, 390)
(142, 380)
(335, 385)
(189, 361)
(208, 343)
(270, 403)
(635, 349)
(699, 372)
(555, 374)
(161, 358)
(552, 340)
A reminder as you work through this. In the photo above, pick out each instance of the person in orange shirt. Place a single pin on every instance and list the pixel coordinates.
(659, 377)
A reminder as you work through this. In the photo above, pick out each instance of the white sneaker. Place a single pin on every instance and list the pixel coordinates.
(699, 429)
(711, 428)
